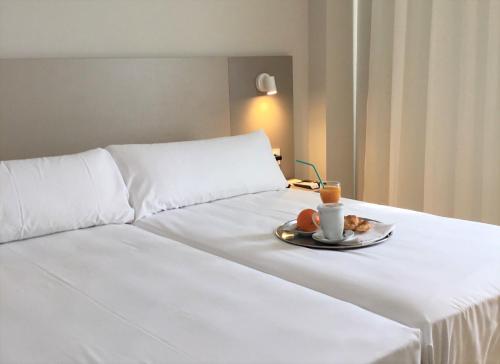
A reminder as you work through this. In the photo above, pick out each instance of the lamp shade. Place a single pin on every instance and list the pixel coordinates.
(266, 83)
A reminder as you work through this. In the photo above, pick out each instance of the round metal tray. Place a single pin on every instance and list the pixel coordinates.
(287, 233)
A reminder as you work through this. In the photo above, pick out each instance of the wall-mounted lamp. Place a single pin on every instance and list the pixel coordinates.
(266, 83)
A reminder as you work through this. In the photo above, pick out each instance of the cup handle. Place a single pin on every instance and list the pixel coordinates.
(315, 219)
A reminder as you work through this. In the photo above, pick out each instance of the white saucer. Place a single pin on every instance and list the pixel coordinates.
(318, 236)
(292, 227)
(304, 233)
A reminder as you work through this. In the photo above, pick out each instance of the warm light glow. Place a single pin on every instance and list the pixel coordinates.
(272, 92)
(263, 105)
(271, 114)
(266, 113)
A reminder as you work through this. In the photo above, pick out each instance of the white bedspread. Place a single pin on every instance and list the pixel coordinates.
(438, 274)
(118, 294)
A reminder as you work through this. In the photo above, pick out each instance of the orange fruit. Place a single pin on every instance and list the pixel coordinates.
(305, 220)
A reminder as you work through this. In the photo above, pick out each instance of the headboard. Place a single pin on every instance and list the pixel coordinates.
(59, 106)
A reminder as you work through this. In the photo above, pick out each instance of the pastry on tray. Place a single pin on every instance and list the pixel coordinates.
(350, 222)
(363, 227)
(354, 223)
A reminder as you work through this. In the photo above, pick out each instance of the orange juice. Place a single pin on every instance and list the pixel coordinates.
(330, 193)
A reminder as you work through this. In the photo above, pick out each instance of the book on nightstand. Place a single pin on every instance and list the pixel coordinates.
(306, 184)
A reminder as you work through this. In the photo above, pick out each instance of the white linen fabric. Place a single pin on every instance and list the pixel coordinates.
(46, 195)
(378, 231)
(432, 112)
(119, 294)
(167, 176)
(438, 274)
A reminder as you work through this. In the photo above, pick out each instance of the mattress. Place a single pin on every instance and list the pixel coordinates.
(119, 294)
(437, 274)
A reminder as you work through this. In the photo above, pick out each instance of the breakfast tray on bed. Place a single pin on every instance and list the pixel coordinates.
(288, 233)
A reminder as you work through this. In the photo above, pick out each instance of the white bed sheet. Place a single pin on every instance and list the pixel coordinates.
(119, 294)
(438, 274)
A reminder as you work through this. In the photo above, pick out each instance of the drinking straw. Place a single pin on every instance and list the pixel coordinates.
(315, 171)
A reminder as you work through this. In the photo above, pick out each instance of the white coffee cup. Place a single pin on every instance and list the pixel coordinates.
(331, 220)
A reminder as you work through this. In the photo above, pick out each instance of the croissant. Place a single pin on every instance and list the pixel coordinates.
(350, 222)
(354, 223)
(363, 227)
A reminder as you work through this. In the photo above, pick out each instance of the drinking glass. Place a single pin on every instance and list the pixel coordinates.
(330, 192)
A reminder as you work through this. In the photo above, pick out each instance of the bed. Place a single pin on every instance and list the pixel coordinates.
(437, 274)
(80, 284)
(119, 294)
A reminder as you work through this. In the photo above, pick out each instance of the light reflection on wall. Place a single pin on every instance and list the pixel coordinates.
(268, 113)
(251, 110)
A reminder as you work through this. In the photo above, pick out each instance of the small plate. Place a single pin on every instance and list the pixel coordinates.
(318, 236)
(304, 233)
(291, 226)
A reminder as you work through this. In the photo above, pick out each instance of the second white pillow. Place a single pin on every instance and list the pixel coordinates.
(171, 175)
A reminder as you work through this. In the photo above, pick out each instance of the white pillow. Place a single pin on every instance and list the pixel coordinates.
(46, 195)
(171, 175)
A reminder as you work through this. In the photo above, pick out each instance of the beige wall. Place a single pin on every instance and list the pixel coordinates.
(315, 32)
(74, 28)
(331, 134)
(251, 110)
(339, 91)
(317, 84)
(363, 62)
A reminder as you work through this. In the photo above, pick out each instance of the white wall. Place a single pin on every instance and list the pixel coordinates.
(79, 28)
